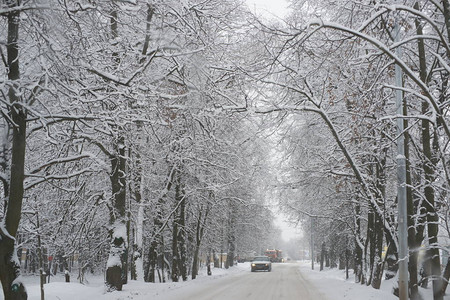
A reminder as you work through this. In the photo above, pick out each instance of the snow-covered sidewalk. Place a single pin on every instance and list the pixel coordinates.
(332, 284)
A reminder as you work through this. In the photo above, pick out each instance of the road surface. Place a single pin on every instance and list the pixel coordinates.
(285, 282)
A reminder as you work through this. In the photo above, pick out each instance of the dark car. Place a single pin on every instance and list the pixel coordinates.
(261, 263)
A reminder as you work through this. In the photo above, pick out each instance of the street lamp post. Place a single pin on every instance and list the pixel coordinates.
(401, 184)
(312, 242)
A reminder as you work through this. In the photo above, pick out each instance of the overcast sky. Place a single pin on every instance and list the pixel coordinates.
(269, 7)
(288, 231)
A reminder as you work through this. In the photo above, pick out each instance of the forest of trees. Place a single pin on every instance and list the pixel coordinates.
(142, 138)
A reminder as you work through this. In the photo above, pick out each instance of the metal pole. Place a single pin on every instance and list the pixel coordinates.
(312, 242)
(401, 178)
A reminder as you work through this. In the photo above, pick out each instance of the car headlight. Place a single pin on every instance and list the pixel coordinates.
(267, 265)
(253, 265)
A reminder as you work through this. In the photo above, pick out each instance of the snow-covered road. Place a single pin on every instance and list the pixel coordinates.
(284, 282)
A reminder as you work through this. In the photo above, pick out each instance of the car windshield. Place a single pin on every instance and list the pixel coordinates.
(261, 258)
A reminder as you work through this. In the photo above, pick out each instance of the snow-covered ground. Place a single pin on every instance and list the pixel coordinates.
(330, 282)
(94, 288)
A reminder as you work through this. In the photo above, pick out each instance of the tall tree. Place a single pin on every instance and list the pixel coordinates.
(14, 185)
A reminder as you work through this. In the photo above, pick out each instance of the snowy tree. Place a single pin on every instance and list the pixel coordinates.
(347, 84)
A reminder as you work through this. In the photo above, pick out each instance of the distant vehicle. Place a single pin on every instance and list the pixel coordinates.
(261, 263)
(275, 255)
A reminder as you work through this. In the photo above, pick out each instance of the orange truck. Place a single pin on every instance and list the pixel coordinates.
(275, 255)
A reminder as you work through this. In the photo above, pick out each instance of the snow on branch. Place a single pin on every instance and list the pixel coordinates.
(106, 75)
(98, 144)
(372, 18)
(59, 118)
(127, 81)
(386, 50)
(169, 217)
(56, 177)
(413, 11)
(118, 80)
(442, 61)
(59, 161)
(4, 11)
(412, 38)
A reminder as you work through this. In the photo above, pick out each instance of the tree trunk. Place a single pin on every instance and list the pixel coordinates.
(182, 249)
(136, 261)
(155, 258)
(413, 244)
(10, 271)
(117, 261)
(446, 276)
(433, 220)
(40, 258)
(195, 261)
(377, 268)
(342, 260)
(432, 216)
(152, 261)
(391, 258)
(428, 167)
(163, 259)
(231, 235)
(152, 256)
(358, 249)
(446, 6)
(379, 219)
(178, 234)
(175, 264)
(117, 266)
(322, 256)
(370, 249)
(198, 240)
(371, 240)
(346, 262)
(414, 239)
(216, 260)
(9, 268)
(175, 253)
(377, 272)
(208, 268)
(425, 271)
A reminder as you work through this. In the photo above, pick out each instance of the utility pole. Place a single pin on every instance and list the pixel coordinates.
(401, 178)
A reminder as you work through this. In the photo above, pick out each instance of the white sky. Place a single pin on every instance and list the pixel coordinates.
(288, 232)
(269, 7)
